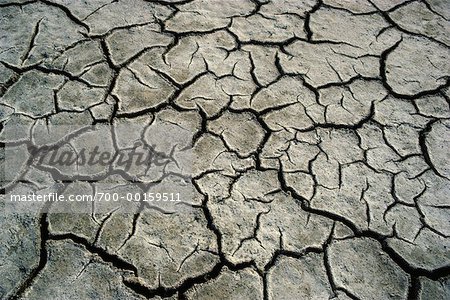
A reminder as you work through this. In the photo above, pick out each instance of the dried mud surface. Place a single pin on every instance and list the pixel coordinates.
(321, 140)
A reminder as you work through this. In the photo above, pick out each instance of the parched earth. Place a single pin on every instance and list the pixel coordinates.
(320, 132)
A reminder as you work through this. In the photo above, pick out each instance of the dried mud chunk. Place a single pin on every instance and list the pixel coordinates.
(416, 66)
(137, 12)
(182, 246)
(303, 278)
(229, 285)
(278, 28)
(437, 143)
(427, 251)
(19, 249)
(126, 43)
(362, 31)
(78, 96)
(205, 93)
(49, 28)
(356, 262)
(205, 15)
(141, 88)
(240, 132)
(416, 17)
(434, 290)
(355, 6)
(32, 94)
(326, 63)
(85, 272)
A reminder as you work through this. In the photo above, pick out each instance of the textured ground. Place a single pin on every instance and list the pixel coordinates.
(322, 136)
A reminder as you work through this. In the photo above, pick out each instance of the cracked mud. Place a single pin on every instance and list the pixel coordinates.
(320, 132)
